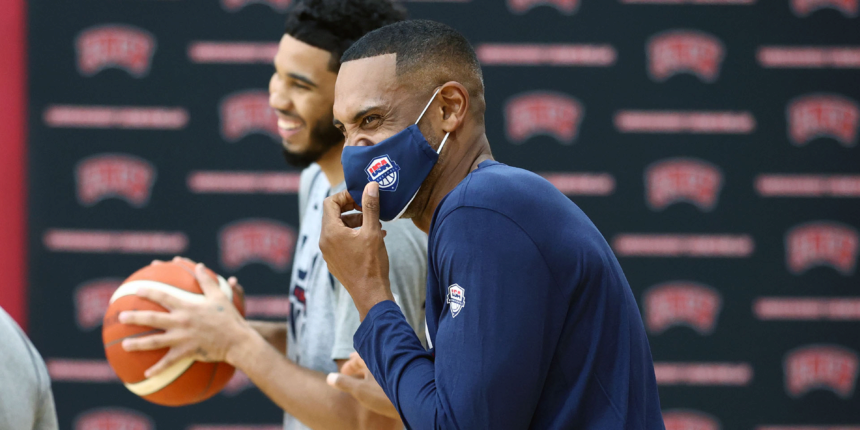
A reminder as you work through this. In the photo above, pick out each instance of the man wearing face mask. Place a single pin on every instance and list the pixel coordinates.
(530, 319)
(318, 337)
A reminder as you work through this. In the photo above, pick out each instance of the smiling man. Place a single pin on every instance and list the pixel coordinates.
(322, 315)
(531, 321)
(317, 339)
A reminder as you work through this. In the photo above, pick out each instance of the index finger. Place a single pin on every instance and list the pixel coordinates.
(354, 366)
(349, 368)
(359, 362)
(207, 283)
(161, 297)
(337, 204)
(185, 259)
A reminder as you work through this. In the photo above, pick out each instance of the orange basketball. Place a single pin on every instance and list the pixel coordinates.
(187, 381)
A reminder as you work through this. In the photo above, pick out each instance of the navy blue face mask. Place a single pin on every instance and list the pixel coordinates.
(400, 164)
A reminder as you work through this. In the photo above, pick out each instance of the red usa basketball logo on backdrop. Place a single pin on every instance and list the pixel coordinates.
(567, 7)
(682, 180)
(682, 303)
(456, 299)
(120, 46)
(543, 113)
(114, 176)
(805, 7)
(384, 171)
(680, 419)
(823, 115)
(257, 241)
(113, 419)
(684, 51)
(91, 301)
(828, 367)
(235, 5)
(247, 112)
(821, 243)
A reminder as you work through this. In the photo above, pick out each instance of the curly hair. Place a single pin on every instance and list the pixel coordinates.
(334, 25)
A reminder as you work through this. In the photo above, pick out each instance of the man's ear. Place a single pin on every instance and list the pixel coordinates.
(455, 105)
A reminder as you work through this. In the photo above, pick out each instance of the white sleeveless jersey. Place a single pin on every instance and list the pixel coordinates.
(323, 317)
(313, 291)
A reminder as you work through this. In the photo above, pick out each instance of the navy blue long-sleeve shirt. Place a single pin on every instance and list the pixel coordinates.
(531, 320)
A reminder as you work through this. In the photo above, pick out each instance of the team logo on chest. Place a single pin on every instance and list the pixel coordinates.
(456, 299)
(384, 170)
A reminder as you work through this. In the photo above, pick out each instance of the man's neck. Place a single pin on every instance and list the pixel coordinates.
(476, 152)
(330, 165)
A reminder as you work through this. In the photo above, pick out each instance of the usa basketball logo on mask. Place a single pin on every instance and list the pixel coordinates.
(384, 170)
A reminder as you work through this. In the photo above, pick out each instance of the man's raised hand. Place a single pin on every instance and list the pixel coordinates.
(357, 257)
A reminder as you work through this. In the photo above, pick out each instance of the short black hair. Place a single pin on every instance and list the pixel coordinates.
(334, 25)
(438, 51)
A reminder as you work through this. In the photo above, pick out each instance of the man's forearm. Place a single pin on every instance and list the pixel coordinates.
(402, 367)
(274, 333)
(301, 392)
(366, 298)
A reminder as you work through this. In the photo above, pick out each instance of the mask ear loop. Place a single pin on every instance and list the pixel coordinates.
(407, 206)
(445, 139)
(428, 106)
(437, 151)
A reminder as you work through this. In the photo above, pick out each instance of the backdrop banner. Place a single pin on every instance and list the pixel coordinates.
(713, 142)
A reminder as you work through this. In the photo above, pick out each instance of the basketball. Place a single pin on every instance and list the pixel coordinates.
(186, 382)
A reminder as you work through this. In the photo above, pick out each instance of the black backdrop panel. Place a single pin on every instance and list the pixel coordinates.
(714, 145)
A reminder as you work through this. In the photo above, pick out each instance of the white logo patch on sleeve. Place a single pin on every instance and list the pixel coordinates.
(456, 299)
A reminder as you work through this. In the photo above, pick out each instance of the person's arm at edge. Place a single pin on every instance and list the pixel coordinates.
(46, 415)
(274, 333)
(301, 392)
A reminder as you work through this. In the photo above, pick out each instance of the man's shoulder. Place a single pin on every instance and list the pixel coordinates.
(517, 199)
(507, 190)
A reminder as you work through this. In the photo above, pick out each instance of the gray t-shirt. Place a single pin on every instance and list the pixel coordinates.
(323, 317)
(26, 401)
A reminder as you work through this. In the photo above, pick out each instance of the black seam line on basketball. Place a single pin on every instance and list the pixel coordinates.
(211, 380)
(143, 333)
(194, 276)
(192, 273)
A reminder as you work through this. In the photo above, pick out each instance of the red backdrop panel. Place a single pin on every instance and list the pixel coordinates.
(12, 159)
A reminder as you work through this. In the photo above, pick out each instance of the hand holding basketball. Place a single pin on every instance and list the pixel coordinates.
(357, 258)
(204, 331)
